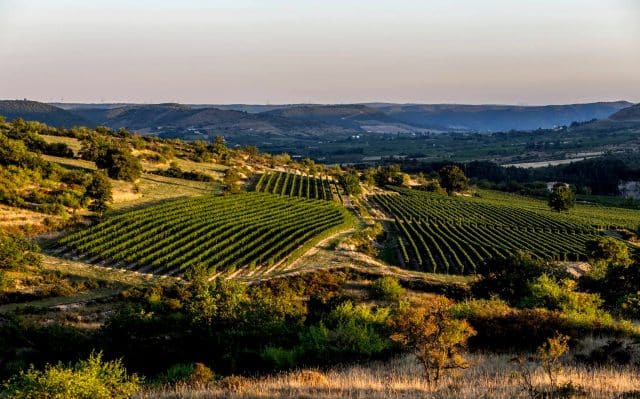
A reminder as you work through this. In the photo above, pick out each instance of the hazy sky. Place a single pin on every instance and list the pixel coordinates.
(323, 51)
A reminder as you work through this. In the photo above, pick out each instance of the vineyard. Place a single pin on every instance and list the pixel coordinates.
(295, 185)
(455, 235)
(254, 231)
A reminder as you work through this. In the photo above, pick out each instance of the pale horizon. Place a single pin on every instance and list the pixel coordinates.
(330, 52)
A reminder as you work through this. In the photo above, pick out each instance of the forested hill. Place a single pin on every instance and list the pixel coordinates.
(41, 112)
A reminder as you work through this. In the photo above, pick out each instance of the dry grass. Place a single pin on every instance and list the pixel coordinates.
(491, 376)
(153, 188)
(73, 143)
(25, 221)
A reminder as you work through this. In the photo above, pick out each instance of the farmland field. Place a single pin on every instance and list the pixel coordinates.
(455, 235)
(221, 234)
(295, 185)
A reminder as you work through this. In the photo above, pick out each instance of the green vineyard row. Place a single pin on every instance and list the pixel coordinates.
(221, 234)
(295, 185)
(457, 235)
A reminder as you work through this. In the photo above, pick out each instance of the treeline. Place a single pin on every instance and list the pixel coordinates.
(599, 176)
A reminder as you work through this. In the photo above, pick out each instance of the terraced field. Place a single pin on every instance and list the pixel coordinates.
(455, 235)
(295, 185)
(256, 232)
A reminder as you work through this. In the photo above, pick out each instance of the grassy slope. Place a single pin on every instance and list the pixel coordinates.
(150, 188)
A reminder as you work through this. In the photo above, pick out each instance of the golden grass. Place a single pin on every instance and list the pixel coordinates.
(491, 376)
(153, 188)
(13, 220)
(71, 142)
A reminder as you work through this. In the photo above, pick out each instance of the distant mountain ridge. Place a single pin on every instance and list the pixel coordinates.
(41, 112)
(492, 118)
(313, 119)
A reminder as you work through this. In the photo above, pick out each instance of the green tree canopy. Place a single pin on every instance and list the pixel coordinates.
(231, 180)
(351, 183)
(453, 179)
(609, 250)
(99, 190)
(562, 197)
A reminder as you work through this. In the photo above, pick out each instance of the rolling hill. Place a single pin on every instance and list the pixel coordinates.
(491, 118)
(626, 118)
(263, 122)
(41, 112)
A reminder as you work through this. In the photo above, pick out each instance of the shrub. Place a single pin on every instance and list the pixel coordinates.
(348, 332)
(553, 295)
(177, 373)
(429, 330)
(280, 358)
(387, 288)
(630, 305)
(609, 250)
(233, 383)
(200, 375)
(17, 251)
(91, 378)
(510, 278)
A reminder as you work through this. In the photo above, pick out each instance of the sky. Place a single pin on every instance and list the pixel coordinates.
(320, 51)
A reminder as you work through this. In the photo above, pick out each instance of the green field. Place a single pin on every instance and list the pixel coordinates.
(296, 185)
(457, 234)
(220, 233)
(598, 216)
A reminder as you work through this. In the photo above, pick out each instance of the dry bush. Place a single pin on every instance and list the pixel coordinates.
(233, 383)
(310, 378)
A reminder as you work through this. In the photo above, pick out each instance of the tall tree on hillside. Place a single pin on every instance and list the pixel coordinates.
(231, 181)
(219, 147)
(99, 190)
(351, 183)
(453, 179)
(562, 197)
(387, 175)
(120, 163)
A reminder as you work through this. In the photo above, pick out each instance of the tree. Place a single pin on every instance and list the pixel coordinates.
(428, 329)
(120, 164)
(369, 177)
(387, 174)
(562, 197)
(452, 179)
(231, 180)
(99, 190)
(309, 165)
(252, 151)
(609, 250)
(351, 183)
(219, 147)
(550, 355)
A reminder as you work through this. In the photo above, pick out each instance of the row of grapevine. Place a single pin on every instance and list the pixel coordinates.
(295, 185)
(218, 233)
(456, 235)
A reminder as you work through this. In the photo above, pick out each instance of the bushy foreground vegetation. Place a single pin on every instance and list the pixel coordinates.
(92, 378)
(221, 234)
(314, 320)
